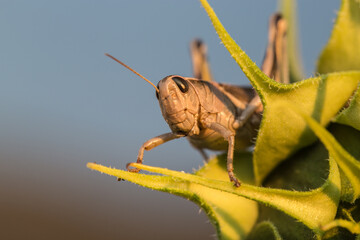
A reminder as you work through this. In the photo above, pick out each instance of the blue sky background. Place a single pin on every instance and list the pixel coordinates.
(63, 104)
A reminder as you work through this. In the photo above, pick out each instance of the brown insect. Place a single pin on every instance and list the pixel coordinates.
(212, 115)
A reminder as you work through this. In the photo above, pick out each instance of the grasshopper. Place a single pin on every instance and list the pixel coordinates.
(213, 115)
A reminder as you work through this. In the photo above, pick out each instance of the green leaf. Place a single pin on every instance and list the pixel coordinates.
(233, 216)
(349, 139)
(282, 133)
(353, 227)
(342, 53)
(348, 164)
(345, 226)
(317, 206)
(351, 115)
(264, 231)
(304, 170)
(288, 9)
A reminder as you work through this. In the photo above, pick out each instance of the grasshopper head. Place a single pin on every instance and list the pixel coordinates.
(179, 104)
(178, 101)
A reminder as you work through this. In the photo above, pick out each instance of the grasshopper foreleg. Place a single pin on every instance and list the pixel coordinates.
(152, 143)
(230, 137)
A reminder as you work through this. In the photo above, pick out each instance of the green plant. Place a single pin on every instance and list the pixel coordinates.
(294, 186)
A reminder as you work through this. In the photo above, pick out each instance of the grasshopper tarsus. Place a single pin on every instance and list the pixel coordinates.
(130, 169)
(236, 182)
(234, 179)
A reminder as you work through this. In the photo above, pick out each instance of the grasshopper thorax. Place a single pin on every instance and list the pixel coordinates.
(179, 104)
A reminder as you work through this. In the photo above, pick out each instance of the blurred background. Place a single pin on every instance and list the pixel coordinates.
(63, 104)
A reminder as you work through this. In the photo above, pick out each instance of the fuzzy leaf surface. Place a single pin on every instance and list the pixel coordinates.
(282, 133)
(312, 208)
(233, 216)
(342, 53)
(348, 164)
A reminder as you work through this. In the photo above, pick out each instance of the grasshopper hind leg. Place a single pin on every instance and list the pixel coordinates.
(200, 63)
(275, 64)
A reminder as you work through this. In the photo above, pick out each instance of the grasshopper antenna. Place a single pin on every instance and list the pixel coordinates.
(157, 90)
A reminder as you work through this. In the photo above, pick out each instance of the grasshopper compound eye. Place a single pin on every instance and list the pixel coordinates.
(157, 92)
(181, 83)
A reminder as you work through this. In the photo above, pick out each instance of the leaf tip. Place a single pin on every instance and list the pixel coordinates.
(92, 165)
